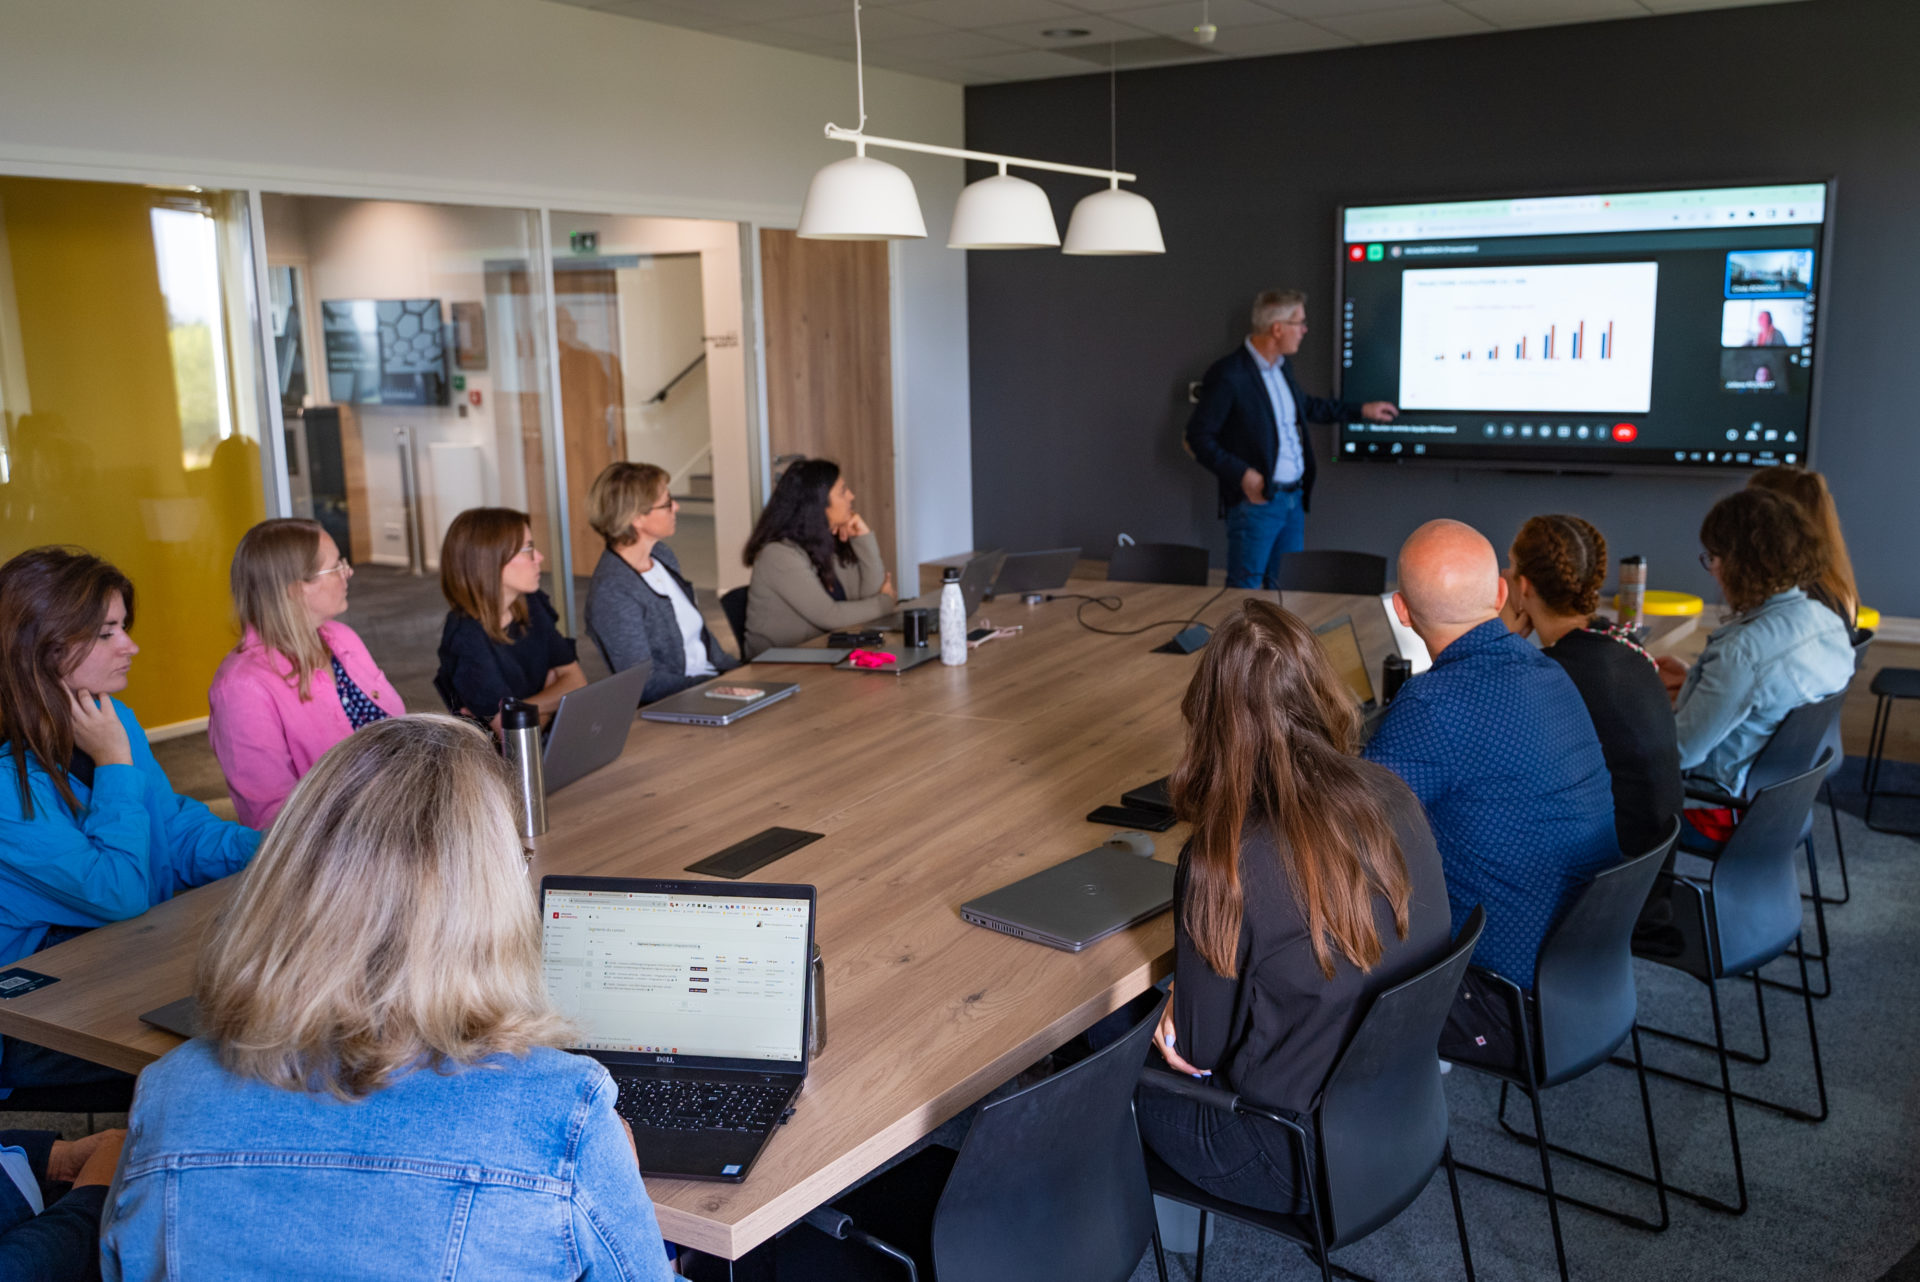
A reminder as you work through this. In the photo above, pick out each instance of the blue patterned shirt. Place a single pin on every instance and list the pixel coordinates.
(1289, 463)
(1497, 744)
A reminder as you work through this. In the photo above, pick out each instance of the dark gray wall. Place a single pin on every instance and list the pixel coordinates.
(1080, 364)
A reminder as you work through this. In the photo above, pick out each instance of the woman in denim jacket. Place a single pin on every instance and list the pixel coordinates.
(378, 1092)
(1780, 649)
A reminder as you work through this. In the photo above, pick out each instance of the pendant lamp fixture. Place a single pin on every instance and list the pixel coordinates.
(1113, 222)
(861, 198)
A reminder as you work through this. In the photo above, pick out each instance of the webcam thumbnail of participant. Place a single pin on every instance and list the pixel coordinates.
(1774, 322)
(1769, 273)
(1748, 369)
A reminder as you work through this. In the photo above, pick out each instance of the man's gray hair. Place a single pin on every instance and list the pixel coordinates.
(1272, 304)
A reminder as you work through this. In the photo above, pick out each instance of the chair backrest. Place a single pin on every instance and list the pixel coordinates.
(1051, 1182)
(444, 688)
(1583, 979)
(733, 604)
(1382, 1118)
(1756, 878)
(1801, 739)
(1349, 573)
(1862, 639)
(1158, 563)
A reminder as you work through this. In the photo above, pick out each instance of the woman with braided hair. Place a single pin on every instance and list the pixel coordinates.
(1554, 572)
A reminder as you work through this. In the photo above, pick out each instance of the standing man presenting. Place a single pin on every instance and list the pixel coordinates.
(1249, 430)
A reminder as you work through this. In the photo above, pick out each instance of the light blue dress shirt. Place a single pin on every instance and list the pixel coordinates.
(1288, 462)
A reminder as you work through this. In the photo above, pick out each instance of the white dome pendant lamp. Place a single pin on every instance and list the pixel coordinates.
(1003, 212)
(1114, 222)
(861, 198)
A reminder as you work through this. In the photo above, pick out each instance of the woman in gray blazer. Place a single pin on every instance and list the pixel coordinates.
(816, 565)
(639, 605)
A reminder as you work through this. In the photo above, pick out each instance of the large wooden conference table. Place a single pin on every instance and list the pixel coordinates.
(931, 787)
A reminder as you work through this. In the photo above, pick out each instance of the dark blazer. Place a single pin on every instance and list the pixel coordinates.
(629, 621)
(1232, 429)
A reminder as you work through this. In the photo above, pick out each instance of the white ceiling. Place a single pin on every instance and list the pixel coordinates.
(985, 41)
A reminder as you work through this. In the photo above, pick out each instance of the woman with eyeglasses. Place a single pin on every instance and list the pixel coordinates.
(300, 681)
(502, 637)
(1777, 650)
(640, 607)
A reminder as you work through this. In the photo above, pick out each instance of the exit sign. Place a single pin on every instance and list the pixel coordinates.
(585, 242)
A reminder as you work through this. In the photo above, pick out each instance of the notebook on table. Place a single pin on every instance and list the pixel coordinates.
(694, 995)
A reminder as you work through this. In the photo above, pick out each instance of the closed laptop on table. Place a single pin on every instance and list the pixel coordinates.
(719, 702)
(1079, 902)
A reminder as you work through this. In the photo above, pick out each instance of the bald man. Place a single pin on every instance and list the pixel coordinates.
(1496, 742)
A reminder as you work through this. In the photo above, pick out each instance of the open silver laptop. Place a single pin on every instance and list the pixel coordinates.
(1079, 902)
(694, 995)
(1341, 644)
(975, 578)
(1035, 571)
(719, 702)
(590, 726)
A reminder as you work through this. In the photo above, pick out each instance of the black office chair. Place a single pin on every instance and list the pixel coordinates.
(1347, 573)
(1739, 915)
(1158, 563)
(1380, 1125)
(1809, 733)
(1048, 1184)
(733, 604)
(1581, 1009)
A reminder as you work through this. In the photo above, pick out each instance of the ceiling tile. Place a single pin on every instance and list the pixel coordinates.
(947, 46)
(746, 11)
(1285, 36)
(1099, 31)
(1181, 18)
(667, 12)
(1317, 9)
(875, 24)
(1682, 6)
(770, 34)
(1028, 64)
(974, 14)
(1541, 13)
(1422, 22)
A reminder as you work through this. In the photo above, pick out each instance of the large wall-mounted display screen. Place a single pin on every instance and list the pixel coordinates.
(385, 351)
(1663, 328)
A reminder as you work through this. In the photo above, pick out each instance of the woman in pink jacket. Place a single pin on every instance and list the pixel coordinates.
(298, 682)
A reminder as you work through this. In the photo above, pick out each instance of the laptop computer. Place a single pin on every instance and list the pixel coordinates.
(719, 702)
(904, 659)
(590, 726)
(975, 577)
(694, 995)
(1342, 647)
(1077, 903)
(1035, 571)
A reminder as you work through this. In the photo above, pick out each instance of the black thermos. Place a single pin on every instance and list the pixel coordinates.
(1393, 674)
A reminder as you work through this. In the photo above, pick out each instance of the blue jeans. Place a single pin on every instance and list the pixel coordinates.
(1259, 534)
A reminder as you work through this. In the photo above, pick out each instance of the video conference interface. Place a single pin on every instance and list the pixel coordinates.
(1671, 328)
(681, 975)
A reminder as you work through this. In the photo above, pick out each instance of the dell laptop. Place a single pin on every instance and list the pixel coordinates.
(719, 702)
(694, 995)
(975, 578)
(1080, 902)
(590, 726)
(1025, 572)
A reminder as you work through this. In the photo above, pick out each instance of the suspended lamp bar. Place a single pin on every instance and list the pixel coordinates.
(865, 140)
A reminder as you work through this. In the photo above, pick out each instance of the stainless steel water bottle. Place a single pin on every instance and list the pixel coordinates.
(520, 741)
(816, 1004)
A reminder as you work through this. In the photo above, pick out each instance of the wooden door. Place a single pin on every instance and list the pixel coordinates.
(510, 288)
(830, 366)
(592, 394)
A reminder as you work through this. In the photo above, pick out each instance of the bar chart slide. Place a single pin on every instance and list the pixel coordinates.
(1566, 337)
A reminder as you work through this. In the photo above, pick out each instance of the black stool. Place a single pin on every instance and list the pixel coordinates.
(1889, 685)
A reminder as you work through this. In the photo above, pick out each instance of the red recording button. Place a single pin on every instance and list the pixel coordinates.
(1625, 432)
(1357, 253)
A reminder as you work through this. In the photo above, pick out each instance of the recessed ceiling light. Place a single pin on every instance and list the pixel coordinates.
(1065, 33)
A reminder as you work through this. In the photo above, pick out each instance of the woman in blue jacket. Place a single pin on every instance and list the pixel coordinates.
(380, 1092)
(90, 829)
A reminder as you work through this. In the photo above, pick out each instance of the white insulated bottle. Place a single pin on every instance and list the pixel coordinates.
(953, 620)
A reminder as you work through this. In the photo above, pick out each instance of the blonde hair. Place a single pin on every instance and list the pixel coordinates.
(386, 924)
(620, 494)
(478, 545)
(274, 558)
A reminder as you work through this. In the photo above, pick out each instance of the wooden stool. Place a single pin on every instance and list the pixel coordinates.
(1889, 685)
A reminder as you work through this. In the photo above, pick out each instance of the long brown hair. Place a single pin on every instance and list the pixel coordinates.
(1565, 559)
(1271, 738)
(1834, 586)
(53, 601)
(1766, 544)
(274, 558)
(478, 546)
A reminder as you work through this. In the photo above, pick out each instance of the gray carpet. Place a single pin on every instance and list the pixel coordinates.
(1836, 1202)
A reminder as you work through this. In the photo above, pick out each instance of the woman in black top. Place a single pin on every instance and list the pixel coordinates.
(1310, 883)
(502, 639)
(1555, 569)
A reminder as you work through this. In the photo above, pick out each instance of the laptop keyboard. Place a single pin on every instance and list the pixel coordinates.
(668, 1104)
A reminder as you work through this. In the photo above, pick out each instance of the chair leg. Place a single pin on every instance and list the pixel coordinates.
(1726, 1083)
(1745, 1057)
(1813, 1043)
(1159, 1254)
(1459, 1215)
(1839, 849)
(1725, 1089)
(1546, 1177)
(1653, 1142)
(1200, 1250)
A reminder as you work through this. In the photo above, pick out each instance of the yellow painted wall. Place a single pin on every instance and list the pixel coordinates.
(98, 460)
